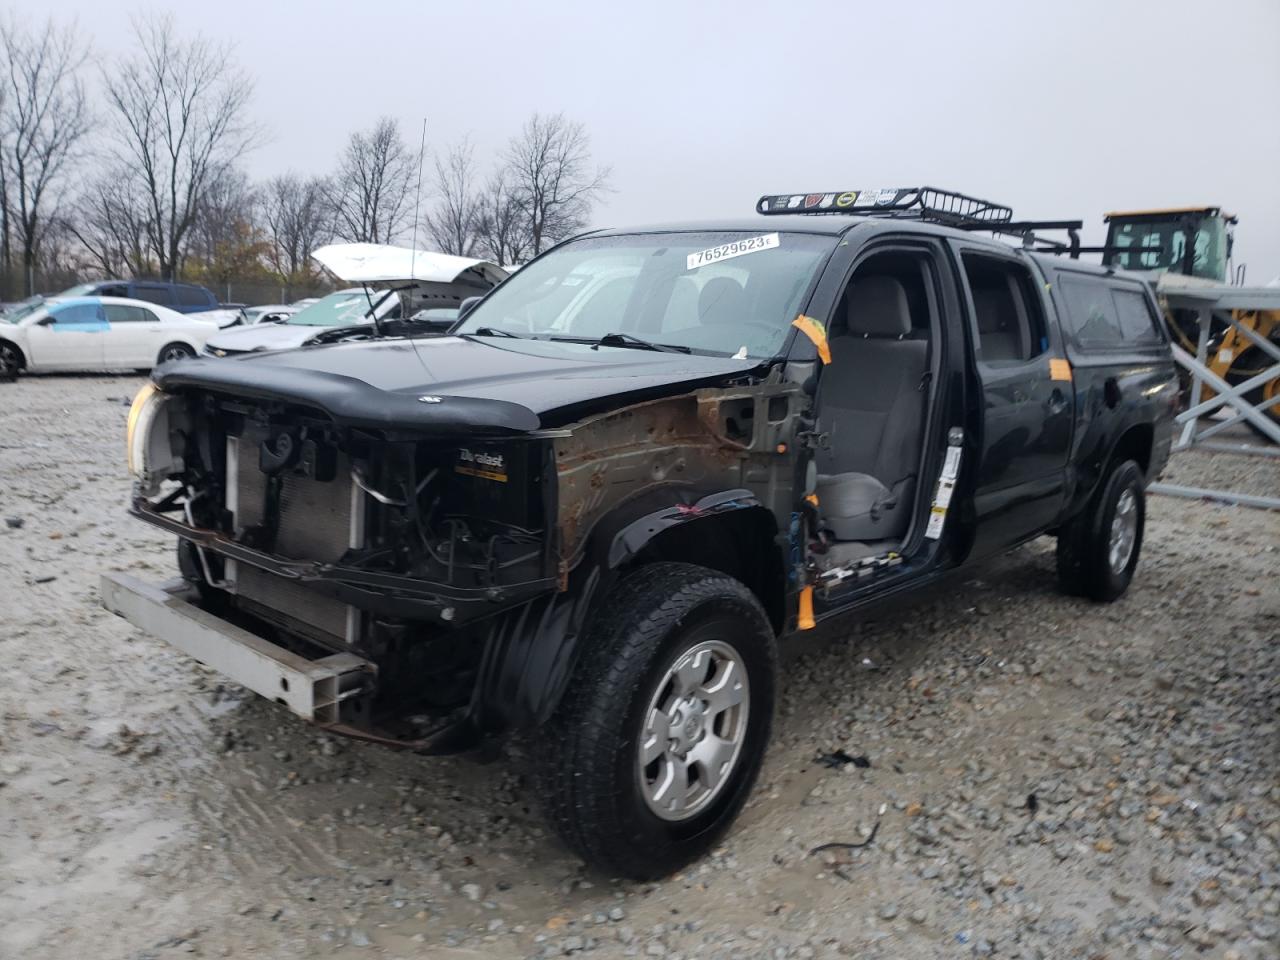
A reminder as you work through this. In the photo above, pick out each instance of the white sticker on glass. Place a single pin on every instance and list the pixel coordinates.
(727, 251)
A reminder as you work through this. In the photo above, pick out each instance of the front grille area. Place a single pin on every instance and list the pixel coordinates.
(317, 521)
(315, 518)
(292, 605)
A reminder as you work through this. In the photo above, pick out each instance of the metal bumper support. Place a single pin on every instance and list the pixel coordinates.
(313, 689)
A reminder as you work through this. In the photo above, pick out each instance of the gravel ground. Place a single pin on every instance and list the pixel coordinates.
(1043, 777)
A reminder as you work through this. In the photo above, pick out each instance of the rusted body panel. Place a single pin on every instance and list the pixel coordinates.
(708, 440)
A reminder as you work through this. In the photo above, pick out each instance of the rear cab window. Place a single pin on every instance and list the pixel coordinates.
(1107, 312)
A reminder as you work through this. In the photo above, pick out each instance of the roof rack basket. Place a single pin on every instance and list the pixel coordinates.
(934, 204)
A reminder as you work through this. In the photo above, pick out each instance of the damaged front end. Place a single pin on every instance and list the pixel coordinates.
(425, 575)
(327, 538)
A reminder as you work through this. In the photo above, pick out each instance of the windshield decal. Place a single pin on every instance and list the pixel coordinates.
(727, 251)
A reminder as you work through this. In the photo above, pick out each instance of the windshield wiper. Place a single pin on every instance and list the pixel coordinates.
(495, 332)
(627, 340)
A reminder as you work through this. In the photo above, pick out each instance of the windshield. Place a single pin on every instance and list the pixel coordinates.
(24, 309)
(1162, 245)
(724, 293)
(80, 290)
(342, 309)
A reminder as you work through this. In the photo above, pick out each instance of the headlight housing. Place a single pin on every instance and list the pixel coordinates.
(149, 447)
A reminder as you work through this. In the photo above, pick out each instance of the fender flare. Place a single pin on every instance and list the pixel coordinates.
(1097, 478)
(531, 650)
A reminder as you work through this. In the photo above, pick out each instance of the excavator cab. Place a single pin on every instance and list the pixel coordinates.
(1191, 241)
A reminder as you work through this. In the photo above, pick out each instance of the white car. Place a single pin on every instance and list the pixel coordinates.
(97, 333)
(392, 276)
(269, 311)
(343, 308)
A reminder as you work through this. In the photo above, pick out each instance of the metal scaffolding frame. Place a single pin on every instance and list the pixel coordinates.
(1219, 301)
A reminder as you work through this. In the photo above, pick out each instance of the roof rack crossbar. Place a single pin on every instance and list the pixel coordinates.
(947, 207)
(932, 203)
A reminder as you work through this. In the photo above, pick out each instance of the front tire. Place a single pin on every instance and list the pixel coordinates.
(1098, 550)
(10, 362)
(663, 729)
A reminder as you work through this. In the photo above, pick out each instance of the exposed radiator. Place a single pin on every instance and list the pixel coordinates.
(317, 521)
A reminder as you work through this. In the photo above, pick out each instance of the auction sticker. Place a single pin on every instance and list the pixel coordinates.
(727, 251)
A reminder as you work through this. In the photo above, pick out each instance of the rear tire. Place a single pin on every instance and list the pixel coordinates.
(10, 362)
(661, 733)
(1098, 551)
(174, 351)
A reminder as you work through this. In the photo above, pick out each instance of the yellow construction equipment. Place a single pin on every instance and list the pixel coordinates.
(1188, 248)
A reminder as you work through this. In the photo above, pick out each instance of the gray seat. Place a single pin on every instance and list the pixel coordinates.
(999, 330)
(872, 404)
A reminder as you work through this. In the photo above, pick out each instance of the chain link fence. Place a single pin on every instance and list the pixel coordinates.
(249, 292)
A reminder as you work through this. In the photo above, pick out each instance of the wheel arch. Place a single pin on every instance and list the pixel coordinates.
(531, 650)
(1135, 443)
(22, 354)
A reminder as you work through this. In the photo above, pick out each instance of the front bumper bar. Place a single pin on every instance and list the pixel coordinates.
(313, 689)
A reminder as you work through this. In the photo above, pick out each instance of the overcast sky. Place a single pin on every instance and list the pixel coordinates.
(1067, 109)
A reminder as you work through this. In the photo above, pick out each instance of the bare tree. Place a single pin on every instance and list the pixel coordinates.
(114, 227)
(297, 220)
(502, 223)
(179, 112)
(453, 221)
(551, 174)
(371, 191)
(224, 210)
(43, 120)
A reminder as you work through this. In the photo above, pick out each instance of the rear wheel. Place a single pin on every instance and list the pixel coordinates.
(661, 734)
(10, 362)
(1098, 551)
(174, 351)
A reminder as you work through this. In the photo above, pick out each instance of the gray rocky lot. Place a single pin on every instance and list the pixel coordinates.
(1045, 777)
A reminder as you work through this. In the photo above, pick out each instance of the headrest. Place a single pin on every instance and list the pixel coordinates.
(990, 306)
(722, 300)
(877, 307)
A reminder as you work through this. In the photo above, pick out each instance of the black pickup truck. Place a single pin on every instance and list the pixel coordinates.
(631, 471)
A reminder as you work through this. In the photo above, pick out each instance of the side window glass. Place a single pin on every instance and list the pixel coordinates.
(77, 314)
(192, 297)
(152, 294)
(1134, 313)
(122, 313)
(1008, 312)
(1091, 311)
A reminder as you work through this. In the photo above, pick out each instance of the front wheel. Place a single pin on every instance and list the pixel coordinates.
(662, 731)
(174, 351)
(10, 362)
(1098, 550)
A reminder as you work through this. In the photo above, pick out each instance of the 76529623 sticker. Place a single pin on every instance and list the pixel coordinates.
(727, 251)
